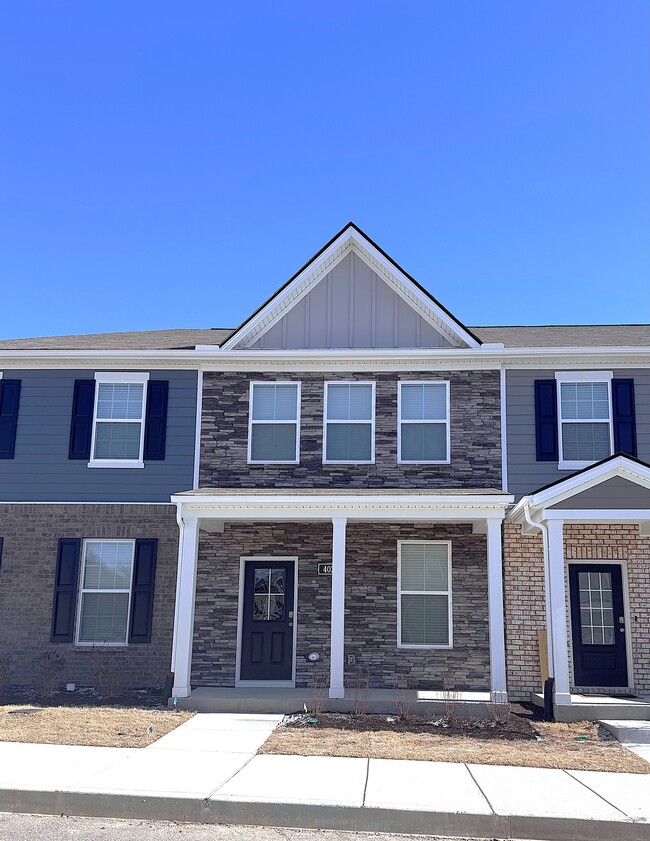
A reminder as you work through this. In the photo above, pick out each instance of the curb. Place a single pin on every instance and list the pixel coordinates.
(313, 816)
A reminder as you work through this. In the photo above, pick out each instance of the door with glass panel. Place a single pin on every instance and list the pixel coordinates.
(598, 625)
(267, 621)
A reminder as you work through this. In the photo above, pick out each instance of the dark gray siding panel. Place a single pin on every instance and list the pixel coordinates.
(41, 471)
(525, 474)
(617, 493)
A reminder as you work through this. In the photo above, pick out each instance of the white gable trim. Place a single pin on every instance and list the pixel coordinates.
(619, 466)
(350, 240)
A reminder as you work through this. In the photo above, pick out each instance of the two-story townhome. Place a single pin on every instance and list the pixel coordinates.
(96, 433)
(352, 491)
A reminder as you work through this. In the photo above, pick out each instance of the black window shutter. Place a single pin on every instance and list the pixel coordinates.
(144, 578)
(9, 400)
(546, 420)
(65, 589)
(624, 416)
(81, 427)
(155, 425)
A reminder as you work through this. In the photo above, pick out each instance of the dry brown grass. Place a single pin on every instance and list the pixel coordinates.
(117, 727)
(517, 745)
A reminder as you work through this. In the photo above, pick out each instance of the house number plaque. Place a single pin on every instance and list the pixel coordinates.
(324, 569)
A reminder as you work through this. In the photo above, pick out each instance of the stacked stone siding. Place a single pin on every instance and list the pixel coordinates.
(475, 435)
(31, 533)
(371, 605)
(525, 602)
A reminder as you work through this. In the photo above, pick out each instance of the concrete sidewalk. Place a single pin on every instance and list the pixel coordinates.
(207, 771)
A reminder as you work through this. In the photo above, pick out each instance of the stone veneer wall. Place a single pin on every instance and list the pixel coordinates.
(525, 603)
(475, 406)
(371, 604)
(31, 533)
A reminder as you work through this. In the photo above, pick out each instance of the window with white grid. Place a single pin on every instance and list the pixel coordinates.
(118, 423)
(349, 426)
(585, 418)
(274, 423)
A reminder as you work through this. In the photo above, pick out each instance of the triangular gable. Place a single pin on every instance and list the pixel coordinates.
(619, 479)
(351, 295)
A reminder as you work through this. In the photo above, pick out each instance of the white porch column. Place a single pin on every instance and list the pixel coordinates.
(498, 690)
(188, 545)
(557, 597)
(337, 653)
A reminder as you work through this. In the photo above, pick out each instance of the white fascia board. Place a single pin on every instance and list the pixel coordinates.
(599, 515)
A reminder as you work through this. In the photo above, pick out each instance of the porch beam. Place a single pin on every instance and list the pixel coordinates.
(498, 691)
(559, 629)
(188, 546)
(337, 634)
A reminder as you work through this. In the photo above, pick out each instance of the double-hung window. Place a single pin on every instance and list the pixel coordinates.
(118, 423)
(584, 418)
(349, 428)
(274, 423)
(423, 433)
(424, 594)
(105, 592)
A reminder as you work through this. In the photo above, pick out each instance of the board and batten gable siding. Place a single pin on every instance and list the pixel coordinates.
(41, 470)
(475, 434)
(351, 307)
(616, 493)
(525, 473)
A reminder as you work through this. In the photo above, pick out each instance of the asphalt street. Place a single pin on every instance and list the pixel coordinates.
(47, 828)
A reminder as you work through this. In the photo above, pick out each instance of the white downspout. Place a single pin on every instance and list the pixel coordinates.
(547, 588)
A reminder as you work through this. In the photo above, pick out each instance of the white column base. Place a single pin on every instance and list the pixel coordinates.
(562, 699)
(498, 696)
(181, 692)
(337, 692)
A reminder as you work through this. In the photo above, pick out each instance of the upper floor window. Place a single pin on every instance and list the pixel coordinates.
(118, 422)
(274, 423)
(349, 433)
(584, 417)
(105, 592)
(424, 588)
(423, 426)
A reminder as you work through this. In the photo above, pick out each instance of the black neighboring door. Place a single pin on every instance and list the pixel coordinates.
(267, 621)
(598, 625)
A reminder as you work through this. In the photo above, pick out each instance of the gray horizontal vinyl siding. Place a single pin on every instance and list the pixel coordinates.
(41, 470)
(525, 473)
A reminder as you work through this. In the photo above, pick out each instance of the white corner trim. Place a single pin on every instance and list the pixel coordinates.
(197, 429)
(504, 430)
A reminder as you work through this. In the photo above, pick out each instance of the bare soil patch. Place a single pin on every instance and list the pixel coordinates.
(517, 739)
(99, 726)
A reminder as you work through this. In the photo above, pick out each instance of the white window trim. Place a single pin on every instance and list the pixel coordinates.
(82, 566)
(447, 593)
(400, 460)
(365, 422)
(119, 377)
(295, 422)
(582, 377)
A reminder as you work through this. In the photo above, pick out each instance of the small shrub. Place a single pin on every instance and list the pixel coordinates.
(48, 668)
(499, 713)
(450, 699)
(108, 678)
(361, 685)
(317, 693)
(403, 703)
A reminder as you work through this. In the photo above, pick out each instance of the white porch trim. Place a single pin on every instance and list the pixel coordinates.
(484, 511)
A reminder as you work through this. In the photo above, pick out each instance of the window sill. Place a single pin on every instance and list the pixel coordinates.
(424, 647)
(574, 465)
(101, 644)
(116, 463)
(287, 463)
(326, 463)
(407, 463)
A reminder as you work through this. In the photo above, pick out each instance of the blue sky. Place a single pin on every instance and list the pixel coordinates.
(171, 164)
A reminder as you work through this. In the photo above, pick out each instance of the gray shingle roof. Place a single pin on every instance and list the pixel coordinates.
(581, 335)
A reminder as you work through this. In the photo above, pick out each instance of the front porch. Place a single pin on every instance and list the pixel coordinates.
(214, 699)
(334, 559)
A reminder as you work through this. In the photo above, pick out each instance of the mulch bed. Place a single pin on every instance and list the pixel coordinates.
(518, 739)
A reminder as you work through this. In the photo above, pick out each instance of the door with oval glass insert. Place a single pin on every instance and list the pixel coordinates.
(267, 621)
(598, 625)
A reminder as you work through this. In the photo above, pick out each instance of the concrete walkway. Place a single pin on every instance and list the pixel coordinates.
(206, 771)
(635, 735)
